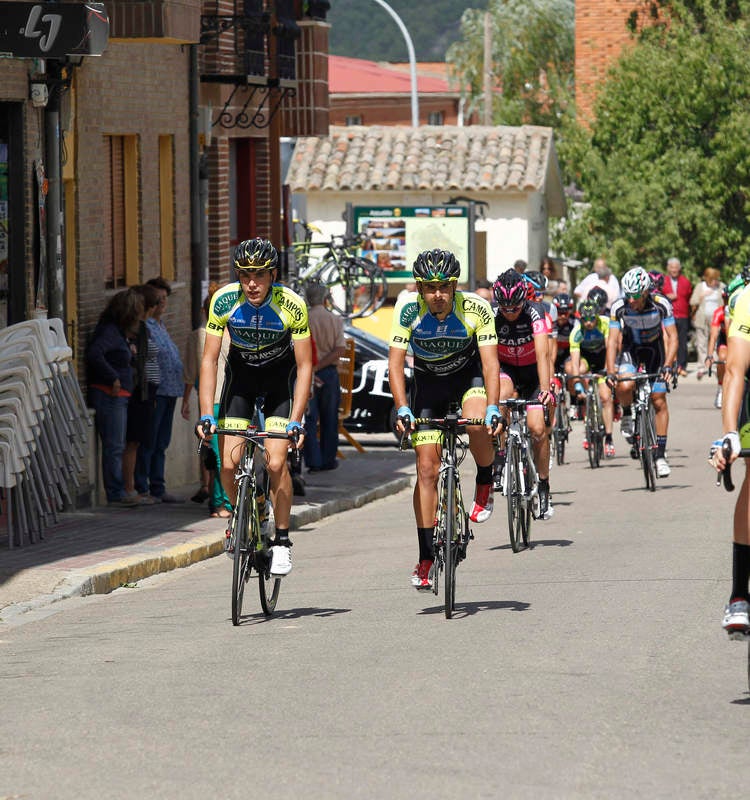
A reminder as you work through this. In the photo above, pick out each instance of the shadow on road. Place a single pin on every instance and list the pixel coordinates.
(292, 613)
(469, 609)
(538, 543)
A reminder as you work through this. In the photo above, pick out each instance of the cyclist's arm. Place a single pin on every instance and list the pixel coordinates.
(207, 379)
(397, 376)
(613, 347)
(670, 344)
(303, 358)
(490, 372)
(541, 348)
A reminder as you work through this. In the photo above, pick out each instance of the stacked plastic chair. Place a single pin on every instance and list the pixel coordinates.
(43, 427)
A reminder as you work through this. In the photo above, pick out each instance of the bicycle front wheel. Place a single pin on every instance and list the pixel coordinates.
(239, 535)
(516, 512)
(648, 449)
(560, 432)
(450, 543)
(268, 585)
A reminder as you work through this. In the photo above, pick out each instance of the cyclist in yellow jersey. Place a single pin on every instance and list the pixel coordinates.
(453, 340)
(270, 356)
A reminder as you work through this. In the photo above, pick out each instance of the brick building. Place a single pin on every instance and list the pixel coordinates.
(600, 35)
(169, 154)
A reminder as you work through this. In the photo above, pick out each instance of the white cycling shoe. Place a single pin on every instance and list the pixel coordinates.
(281, 561)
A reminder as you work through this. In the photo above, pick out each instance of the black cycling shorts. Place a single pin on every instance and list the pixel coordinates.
(525, 380)
(243, 384)
(651, 356)
(433, 394)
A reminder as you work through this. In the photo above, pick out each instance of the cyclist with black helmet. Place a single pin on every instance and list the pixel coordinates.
(601, 298)
(453, 342)
(270, 355)
(642, 327)
(525, 368)
(588, 352)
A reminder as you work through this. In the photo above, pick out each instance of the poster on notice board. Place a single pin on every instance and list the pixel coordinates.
(393, 236)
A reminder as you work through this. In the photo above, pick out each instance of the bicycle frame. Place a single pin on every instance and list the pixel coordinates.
(561, 428)
(594, 419)
(644, 432)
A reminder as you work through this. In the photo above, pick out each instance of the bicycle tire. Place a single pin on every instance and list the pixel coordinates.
(561, 433)
(526, 515)
(449, 543)
(268, 586)
(241, 562)
(515, 510)
(647, 452)
(439, 536)
(351, 288)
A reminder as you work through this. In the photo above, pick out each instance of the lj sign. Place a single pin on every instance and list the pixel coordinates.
(53, 30)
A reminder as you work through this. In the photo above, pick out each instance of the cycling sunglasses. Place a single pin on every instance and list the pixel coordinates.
(510, 309)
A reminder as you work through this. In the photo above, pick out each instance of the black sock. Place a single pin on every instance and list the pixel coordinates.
(626, 411)
(484, 474)
(740, 570)
(426, 551)
(661, 446)
(607, 438)
(282, 537)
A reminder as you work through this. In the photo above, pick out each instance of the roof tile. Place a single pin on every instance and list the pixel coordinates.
(428, 158)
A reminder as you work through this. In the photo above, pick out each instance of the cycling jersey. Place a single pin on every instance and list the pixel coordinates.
(515, 339)
(442, 347)
(739, 328)
(259, 335)
(642, 327)
(590, 342)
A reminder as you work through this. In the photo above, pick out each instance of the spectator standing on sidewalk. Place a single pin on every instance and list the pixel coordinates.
(706, 298)
(142, 401)
(211, 488)
(678, 289)
(601, 277)
(327, 331)
(150, 463)
(109, 375)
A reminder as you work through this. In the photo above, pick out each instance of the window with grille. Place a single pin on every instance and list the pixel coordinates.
(123, 219)
(354, 120)
(436, 118)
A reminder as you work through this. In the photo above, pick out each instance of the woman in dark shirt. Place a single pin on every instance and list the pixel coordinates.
(109, 358)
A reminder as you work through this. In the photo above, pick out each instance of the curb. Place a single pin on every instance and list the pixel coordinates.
(108, 576)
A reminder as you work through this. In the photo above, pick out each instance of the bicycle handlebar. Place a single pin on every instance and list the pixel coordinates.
(250, 434)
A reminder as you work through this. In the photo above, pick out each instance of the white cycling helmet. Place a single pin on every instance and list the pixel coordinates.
(635, 282)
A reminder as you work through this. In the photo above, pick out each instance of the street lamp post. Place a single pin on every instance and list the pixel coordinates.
(412, 62)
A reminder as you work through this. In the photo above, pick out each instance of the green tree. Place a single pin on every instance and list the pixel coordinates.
(532, 59)
(665, 169)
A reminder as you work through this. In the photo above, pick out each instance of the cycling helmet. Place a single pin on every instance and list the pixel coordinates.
(255, 254)
(737, 283)
(509, 289)
(537, 279)
(436, 265)
(657, 280)
(599, 296)
(588, 310)
(636, 282)
(564, 302)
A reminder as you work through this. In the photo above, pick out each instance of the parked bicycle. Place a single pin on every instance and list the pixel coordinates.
(561, 428)
(357, 286)
(520, 481)
(452, 533)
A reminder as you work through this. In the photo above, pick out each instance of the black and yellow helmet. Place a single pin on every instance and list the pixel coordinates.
(436, 265)
(255, 254)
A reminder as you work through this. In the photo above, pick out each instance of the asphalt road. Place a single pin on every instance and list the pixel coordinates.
(591, 666)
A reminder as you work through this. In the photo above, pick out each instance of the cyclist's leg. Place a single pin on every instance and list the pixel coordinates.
(539, 440)
(474, 405)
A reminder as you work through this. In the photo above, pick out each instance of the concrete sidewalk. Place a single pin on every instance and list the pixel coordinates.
(96, 551)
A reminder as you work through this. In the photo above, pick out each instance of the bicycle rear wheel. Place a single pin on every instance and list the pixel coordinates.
(648, 445)
(351, 286)
(450, 543)
(241, 564)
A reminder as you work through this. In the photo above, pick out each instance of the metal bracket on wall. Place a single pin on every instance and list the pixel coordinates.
(268, 97)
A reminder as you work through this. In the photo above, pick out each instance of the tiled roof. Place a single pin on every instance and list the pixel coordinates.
(357, 76)
(427, 158)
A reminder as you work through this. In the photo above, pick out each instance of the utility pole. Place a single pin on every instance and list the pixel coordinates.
(487, 68)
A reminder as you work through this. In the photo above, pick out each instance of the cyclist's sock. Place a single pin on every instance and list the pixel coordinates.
(484, 474)
(282, 537)
(426, 551)
(626, 411)
(740, 570)
(661, 446)
(607, 438)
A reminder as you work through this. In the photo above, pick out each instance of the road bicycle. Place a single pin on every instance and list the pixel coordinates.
(643, 447)
(593, 419)
(561, 427)
(250, 528)
(520, 480)
(452, 532)
(357, 286)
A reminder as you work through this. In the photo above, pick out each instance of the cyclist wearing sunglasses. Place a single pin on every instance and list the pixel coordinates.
(523, 336)
(270, 356)
(643, 331)
(452, 337)
(588, 353)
